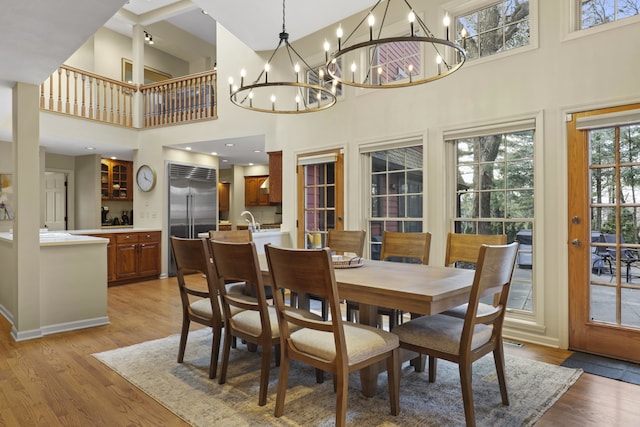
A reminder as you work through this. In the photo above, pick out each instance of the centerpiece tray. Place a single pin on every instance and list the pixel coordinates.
(349, 263)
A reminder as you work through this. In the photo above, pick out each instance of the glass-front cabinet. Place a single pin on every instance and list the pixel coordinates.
(116, 180)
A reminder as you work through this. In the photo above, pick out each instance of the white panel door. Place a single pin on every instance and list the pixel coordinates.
(55, 214)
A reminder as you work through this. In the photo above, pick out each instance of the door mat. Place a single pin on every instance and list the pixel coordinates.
(605, 367)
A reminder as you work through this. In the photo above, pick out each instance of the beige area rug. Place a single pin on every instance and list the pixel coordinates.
(186, 390)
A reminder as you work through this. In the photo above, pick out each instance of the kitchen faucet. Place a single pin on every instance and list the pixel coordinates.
(252, 225)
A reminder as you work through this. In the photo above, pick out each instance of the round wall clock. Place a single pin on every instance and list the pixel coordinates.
(146, 178)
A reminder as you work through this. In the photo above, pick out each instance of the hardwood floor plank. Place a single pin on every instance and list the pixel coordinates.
(55, 380)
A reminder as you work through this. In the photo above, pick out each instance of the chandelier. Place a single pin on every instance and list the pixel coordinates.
(374, 56)
(287, 96)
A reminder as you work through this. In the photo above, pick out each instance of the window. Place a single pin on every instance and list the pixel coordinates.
(499, 27)
(598, 12)
(396, 193)
(392, 61)
(494, 194)
(319, 76)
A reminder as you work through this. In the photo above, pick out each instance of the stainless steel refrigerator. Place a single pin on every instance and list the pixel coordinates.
(192, 202)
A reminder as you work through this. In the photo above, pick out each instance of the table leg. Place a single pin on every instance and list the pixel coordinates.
(369, 375)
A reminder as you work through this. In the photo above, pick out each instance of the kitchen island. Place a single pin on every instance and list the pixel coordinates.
(275, 237)
(72, 288)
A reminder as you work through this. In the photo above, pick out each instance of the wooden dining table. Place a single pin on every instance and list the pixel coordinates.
(414, 288)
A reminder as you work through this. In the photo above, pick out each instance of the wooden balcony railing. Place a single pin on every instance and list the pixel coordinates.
(83, 94)
(180, 100)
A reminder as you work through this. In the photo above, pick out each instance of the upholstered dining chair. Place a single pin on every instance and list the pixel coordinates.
(463, 341)
(465, 248)
(199, 304)
(255, 321)
(332, 346)
(399, 247)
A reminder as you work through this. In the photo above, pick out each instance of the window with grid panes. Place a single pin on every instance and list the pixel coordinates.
(598, 12)
(396, 193)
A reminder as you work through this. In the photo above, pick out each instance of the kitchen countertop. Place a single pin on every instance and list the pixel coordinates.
(114, 229)
(57, 238)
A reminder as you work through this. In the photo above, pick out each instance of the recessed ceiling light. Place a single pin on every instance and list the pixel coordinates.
(89, 148)
(204, 12)
(114, 158)
(214, 153)
(187, 148)
(250, 164)
(224, 160)
(257, 151)
(229, 144)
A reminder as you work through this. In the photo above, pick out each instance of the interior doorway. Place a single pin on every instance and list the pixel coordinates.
(55, 201)
(604, 227)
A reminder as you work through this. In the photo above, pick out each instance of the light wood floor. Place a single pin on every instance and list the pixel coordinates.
(55, 381)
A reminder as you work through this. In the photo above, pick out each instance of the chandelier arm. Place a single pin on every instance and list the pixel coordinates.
(346, 40)
(298, 55)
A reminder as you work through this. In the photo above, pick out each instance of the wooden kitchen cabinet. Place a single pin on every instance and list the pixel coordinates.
(223, 196)
(252, 194)
(275, 176)
(111, 255)
(116, 179)
(137, 255)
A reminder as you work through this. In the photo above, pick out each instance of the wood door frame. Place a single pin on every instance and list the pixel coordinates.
(584, 334)
(339, 170)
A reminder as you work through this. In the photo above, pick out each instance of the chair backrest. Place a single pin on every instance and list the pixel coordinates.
(342, 241)
(406, 245)
(235, 236)
(238, 262)
(466, 247)
(494, 270)
(192, 257)
(306, 271)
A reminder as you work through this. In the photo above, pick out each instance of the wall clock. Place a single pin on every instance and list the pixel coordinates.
(146, 178)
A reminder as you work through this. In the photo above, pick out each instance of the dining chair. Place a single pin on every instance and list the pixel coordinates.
(463, 341)
(398, 247)
(236, 236)
(332, 345)
(341, 242)
(199, 304)
(250, 319)
(465, 248)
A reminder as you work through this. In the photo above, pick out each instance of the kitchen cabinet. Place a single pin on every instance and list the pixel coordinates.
(223, 196)
(116, 179)
(275, 176)
(252, 194)
(111, 255)
(137, 255)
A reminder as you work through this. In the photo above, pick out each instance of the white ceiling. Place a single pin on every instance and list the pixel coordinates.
(39, 35)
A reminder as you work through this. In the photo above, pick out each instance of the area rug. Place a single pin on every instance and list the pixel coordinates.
(605, 367)
(186, 390)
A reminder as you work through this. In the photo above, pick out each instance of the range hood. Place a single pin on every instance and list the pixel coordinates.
(264, 187)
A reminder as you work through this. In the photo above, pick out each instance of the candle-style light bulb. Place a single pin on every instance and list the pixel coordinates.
(251, 99)
(339, 34)
(273, 102)
(321, 74)
(463, 34)
(410, 68)
(371, 21)
(379, 75)
(297, 103)
(230, 85)
(327, 46)
(243, 73)
(439, 62)
(267, 67)
(353, 71)
(412, 18)
(296, 68)
(446, 21)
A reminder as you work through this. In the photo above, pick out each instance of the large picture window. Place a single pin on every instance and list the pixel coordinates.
(396, 194)
(494, 194)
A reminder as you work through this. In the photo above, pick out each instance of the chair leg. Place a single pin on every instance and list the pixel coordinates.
(393, 376)
(319, 376)
(342, 380)
(225, 357)
(264, 374)
(283, 379)
(498, 358)
(277, 355)
(215, 350)
(183, 338)
(467, 393)
(433, 364)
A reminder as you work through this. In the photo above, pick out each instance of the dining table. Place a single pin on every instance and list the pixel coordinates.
(413, 288)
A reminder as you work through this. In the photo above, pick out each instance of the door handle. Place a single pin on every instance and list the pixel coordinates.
(576, 242)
